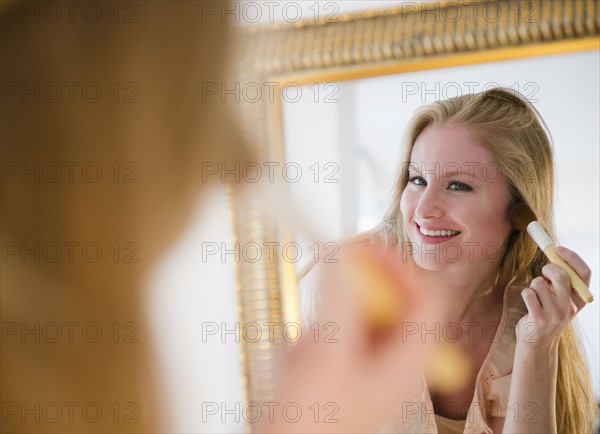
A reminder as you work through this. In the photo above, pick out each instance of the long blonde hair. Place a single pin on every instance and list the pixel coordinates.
(513, 130)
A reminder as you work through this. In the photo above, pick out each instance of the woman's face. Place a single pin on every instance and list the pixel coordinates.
(456, 202)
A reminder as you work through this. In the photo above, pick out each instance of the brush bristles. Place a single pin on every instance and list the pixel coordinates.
(520, 216)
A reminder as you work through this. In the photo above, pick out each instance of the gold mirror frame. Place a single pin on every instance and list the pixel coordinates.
(402, 39)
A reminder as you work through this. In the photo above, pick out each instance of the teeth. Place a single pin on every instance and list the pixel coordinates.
(442, 233)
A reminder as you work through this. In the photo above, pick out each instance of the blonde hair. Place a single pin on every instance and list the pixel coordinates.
(159, 61)
(513, 130)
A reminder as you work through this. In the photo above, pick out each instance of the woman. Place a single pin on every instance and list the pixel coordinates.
(469, 159)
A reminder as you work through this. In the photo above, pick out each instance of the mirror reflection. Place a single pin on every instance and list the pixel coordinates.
(346, 138)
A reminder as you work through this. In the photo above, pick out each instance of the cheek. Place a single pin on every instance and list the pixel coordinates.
(493, 225)
(406, 205)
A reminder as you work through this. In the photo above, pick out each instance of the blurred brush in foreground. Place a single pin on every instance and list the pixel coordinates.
(365, 368)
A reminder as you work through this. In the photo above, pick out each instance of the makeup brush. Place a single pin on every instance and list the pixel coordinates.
(522, 218)
(377, 279)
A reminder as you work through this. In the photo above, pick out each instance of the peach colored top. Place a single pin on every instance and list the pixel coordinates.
(492, 386)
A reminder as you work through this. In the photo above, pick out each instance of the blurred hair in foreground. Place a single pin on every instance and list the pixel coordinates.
(167, 52)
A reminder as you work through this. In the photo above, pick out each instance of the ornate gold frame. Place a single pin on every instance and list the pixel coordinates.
(402, 39)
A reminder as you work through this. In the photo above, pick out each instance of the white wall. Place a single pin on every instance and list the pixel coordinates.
(187, 294)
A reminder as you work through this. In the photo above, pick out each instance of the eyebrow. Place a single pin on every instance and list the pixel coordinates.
(443, 174)
(454, 173)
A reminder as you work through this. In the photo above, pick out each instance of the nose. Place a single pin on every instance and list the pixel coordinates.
(429, 205)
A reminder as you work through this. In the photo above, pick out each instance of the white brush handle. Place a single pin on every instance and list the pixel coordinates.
(539, 235)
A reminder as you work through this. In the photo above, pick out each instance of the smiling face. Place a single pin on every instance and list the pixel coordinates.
(455, 205)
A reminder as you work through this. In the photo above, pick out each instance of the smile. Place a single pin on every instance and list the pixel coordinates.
(438, 233)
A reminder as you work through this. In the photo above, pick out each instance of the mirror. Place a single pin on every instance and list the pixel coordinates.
(343, 140)
(367, 73)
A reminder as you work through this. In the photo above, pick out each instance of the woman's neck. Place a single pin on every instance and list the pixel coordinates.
(472, 294)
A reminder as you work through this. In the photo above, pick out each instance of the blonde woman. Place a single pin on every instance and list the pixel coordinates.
(468, 160)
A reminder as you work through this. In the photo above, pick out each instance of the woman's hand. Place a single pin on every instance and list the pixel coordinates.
(362, 366)
(551, 302)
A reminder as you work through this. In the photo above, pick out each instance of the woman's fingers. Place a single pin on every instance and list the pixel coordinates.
(545, 294)
(576, 263)
(532, 302)
(568, 299)
(580, 267)
(372, 364)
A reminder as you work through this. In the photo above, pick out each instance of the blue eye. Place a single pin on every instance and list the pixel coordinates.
(417, 180)
(459, 186)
